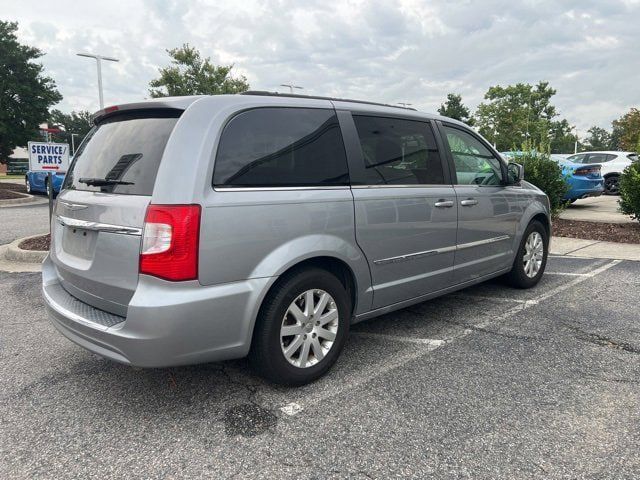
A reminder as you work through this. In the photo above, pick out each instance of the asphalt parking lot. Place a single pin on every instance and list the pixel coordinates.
(489, 382)
(23, 221)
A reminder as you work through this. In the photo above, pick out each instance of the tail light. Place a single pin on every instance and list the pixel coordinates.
(587, 171)
(170, 242)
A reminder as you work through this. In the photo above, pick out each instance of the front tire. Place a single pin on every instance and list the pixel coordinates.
(302, 327)
(27, 184)
(531, 259)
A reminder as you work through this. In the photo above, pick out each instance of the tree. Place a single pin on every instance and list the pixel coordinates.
(190, 74)
(26, 94)
(561, 139)
(517, 113)
(627, 129)
(75, 123)
(454, 108)
(598, 139)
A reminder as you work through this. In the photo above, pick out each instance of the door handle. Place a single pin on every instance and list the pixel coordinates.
(468, 202)
(444, 204)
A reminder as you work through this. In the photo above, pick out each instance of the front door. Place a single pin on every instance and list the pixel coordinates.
(488, 211)
(405, 206)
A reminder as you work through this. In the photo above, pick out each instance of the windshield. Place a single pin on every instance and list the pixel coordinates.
(123, 153)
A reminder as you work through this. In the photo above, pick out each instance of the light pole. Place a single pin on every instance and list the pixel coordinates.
(99, 59)
(291, 86)
(405, 104)
(575, 145)
(73, 143)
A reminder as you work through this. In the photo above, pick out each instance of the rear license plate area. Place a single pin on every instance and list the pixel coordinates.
(79, 242)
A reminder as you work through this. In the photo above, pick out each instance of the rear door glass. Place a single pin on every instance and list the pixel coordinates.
(122, 154)
(281, 147)
(397, 152)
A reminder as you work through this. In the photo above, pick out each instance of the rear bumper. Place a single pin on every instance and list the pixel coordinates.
(167, 323)
(583, 188)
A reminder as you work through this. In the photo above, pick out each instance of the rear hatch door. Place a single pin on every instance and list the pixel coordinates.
(97, 226)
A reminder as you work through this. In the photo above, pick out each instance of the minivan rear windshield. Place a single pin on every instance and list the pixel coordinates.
(122, 153)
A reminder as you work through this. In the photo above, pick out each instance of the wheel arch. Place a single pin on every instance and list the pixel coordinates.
(544, 220)
(536, 210)
(338, 267)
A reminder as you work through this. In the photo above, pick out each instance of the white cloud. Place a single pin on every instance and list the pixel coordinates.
(390, 51)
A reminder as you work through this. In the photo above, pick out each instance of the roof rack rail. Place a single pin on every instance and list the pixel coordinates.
(266, 93)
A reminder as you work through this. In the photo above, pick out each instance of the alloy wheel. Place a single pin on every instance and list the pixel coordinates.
(612, 185)
(533, 254)
(309, 328)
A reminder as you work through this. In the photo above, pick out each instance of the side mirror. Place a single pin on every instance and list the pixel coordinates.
(515, 173)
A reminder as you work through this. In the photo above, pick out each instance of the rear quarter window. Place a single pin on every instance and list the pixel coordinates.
(125, 149)
(281, 147)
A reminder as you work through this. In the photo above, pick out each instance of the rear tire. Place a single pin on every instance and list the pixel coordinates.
(294, 344)
(612, 185)
(531, 258)
(27, 184)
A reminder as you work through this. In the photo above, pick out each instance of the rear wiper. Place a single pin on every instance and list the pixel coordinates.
(101, 182)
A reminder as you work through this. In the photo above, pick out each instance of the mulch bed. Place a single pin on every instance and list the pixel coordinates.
(36, 243)
(607, 232)
(9, 195)
(14, 187)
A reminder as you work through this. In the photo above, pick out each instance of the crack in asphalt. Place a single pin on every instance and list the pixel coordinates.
(611, 379)
(246, 419)
(601, 340)
(490, 332)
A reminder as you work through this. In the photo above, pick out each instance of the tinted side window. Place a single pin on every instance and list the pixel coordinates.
(398, 152)
(577, 158)
(274, 147)
(475, 164)
(599, 158)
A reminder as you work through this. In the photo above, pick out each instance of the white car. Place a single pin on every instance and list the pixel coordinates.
(612, 163)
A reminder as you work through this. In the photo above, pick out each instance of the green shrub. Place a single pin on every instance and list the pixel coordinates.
(547, 175)
(630, 191)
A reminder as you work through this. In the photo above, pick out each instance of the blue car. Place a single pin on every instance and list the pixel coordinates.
(583, 180)
(38, 182)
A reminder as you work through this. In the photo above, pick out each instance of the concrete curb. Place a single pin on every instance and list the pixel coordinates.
(26, 199)
(577, 247)
(14, 259)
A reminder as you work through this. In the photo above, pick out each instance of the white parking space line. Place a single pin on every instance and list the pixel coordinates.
(568, 274)
(296, 406)
(431, 343)
(318, 398)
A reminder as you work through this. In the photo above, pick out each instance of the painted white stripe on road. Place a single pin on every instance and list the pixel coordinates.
(568, 274)
(430, 345)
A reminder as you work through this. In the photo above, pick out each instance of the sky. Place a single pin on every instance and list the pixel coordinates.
(398, 51)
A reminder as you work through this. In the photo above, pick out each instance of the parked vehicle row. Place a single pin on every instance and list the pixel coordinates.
(38, 182)
(197, 229)
(612, 165)
(583, 180)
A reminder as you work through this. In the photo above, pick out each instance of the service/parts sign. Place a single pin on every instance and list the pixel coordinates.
(48, 157)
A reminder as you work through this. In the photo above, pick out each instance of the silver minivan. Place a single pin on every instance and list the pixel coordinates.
(204, 228)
